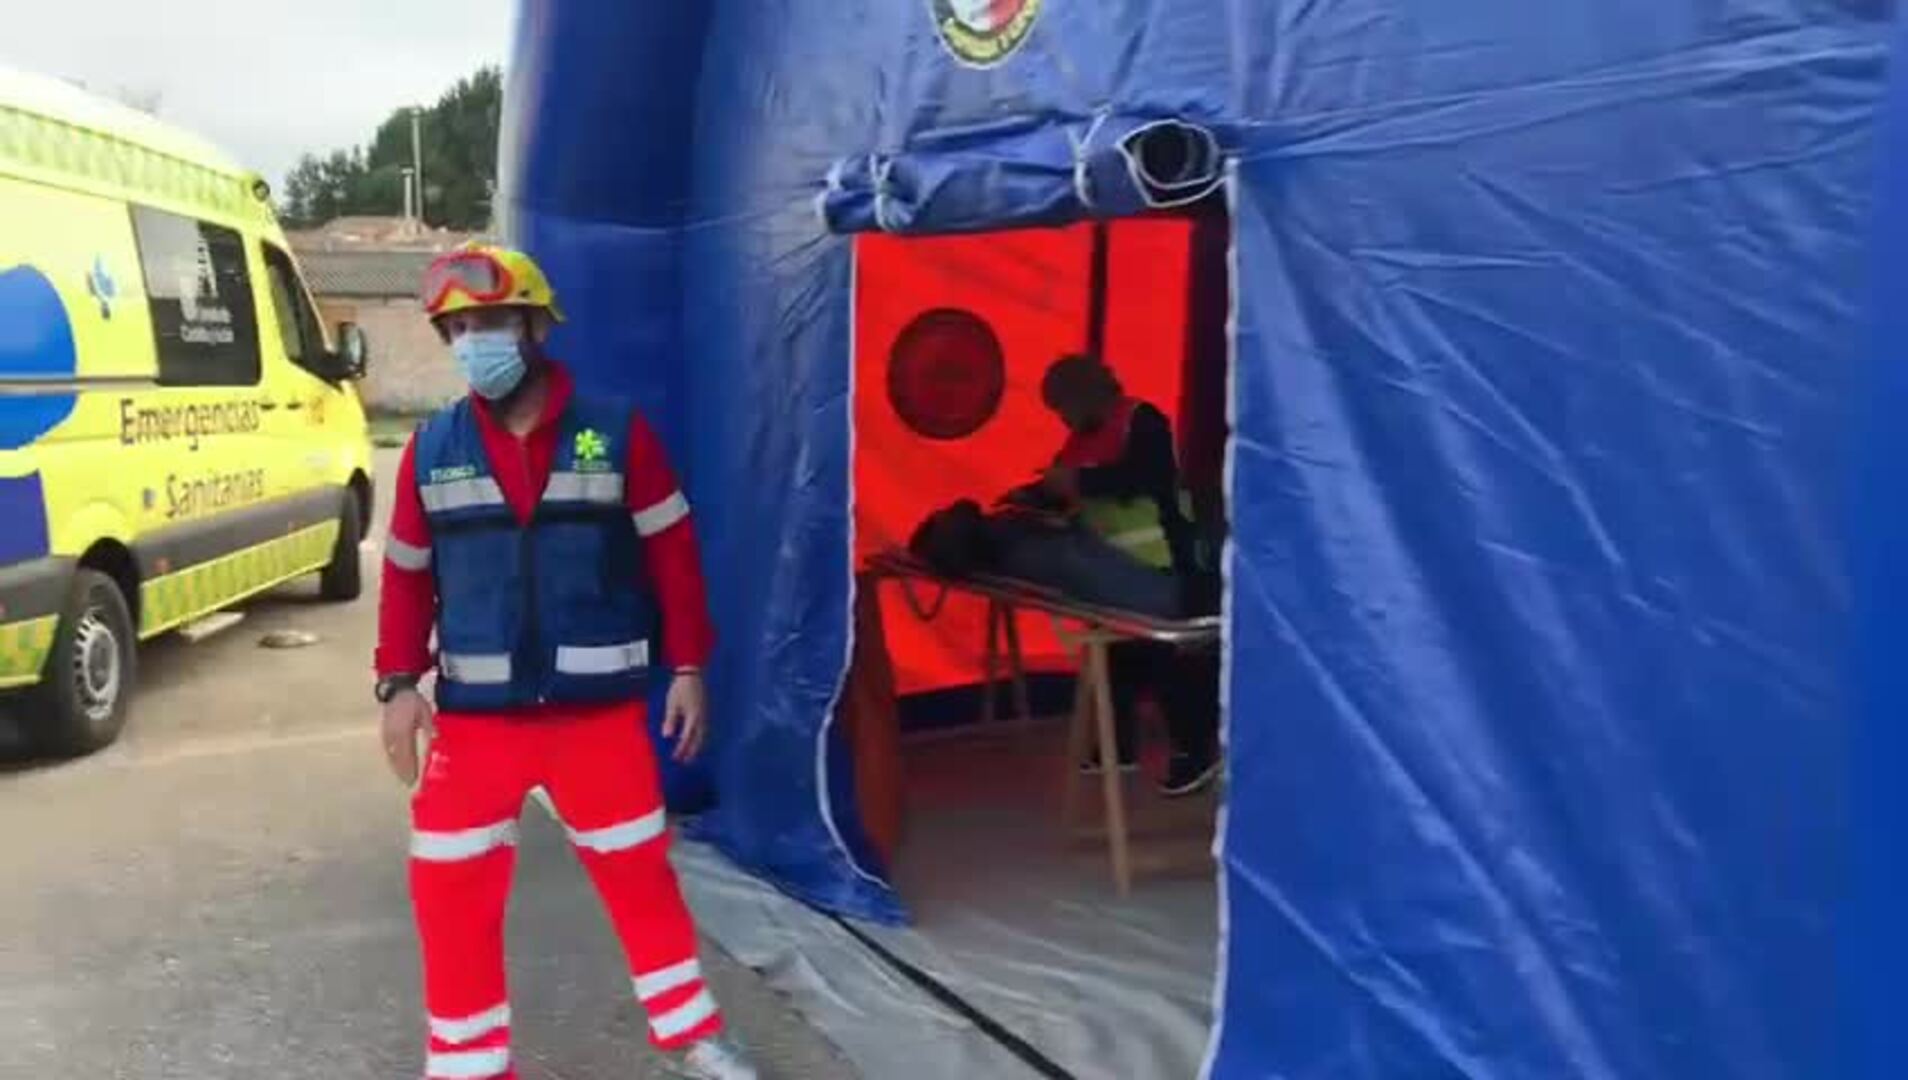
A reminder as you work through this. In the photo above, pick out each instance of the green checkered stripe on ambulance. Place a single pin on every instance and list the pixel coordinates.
(165, 602)
(41, 142)
(23, 648)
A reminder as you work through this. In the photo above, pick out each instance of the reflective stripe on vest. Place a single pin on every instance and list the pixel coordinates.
(1133, 526)
(461, 494)
(491, 669)
(604, 488)
(488, 669)
(602, 659)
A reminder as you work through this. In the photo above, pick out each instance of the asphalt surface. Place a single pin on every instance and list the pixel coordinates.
(222, 893)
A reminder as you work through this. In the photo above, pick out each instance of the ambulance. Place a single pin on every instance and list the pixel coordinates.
(178, 431)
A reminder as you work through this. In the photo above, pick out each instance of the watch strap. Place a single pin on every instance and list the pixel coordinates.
(392, 685)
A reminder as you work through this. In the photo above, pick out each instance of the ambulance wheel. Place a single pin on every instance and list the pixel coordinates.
(343, 578)
(80, 704)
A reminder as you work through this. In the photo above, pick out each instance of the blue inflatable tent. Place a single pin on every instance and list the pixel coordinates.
(1545, 342)
(1874, 944)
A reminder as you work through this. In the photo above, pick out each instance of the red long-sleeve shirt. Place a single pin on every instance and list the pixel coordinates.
(407, 606)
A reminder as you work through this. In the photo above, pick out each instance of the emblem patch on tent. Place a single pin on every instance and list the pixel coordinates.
(983, 33)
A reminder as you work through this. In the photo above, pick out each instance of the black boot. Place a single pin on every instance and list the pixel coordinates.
(1188, 774)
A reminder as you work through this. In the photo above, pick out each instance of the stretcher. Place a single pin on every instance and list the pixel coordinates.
(1085, 628)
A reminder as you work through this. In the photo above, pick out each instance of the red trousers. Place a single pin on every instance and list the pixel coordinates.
(599, 771)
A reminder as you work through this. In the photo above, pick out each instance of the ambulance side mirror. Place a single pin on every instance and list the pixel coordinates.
(354, 351)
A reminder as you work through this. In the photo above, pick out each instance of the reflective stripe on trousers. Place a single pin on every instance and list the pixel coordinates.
(461, 844)
(657, 983)
(467, 1064)
(469, 1029)
(677, 1022)
(677, 1000)
(622, 836)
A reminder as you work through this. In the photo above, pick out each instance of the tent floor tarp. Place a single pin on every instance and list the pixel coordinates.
(1019, 925)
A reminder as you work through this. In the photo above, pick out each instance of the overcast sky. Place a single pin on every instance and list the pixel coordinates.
(267, 80)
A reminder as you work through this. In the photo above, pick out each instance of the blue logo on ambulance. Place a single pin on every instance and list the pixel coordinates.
(36, 345)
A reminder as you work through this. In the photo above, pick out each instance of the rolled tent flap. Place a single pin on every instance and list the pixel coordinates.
(997, 178)
(1168, 162)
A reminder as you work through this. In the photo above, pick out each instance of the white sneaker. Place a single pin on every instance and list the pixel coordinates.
(719, 1058)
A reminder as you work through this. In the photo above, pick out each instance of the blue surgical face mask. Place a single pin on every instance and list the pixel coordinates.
(492, 361)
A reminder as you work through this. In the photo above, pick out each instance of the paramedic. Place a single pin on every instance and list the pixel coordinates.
(1118, 466)
(539, 530)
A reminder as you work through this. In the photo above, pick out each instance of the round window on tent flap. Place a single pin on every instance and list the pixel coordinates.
(946, 374)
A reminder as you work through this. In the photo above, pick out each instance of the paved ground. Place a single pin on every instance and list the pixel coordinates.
(222, 893)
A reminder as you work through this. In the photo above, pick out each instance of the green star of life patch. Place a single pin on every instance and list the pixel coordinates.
(590, 445)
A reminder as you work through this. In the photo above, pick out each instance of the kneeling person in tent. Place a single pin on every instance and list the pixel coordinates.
(1118, 466)
(540, 530)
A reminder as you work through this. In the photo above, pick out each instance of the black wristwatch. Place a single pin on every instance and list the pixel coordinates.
(392, 685)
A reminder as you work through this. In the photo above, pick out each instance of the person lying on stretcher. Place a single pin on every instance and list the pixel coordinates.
(1119, 474)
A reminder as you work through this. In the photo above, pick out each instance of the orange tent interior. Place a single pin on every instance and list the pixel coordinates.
(952, 337)
(1032, 288)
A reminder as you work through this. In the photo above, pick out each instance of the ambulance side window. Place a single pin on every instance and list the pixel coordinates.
(297, 323)
(204, 322)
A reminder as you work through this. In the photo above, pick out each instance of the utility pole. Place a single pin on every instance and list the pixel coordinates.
(417, 159)
(410, 198)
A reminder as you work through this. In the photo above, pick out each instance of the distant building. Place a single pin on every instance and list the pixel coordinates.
(366, 270)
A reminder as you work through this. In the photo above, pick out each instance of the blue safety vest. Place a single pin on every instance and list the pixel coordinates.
(557, 611)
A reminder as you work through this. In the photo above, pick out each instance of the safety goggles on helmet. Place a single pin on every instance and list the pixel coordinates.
(480, 275)
(476, 274)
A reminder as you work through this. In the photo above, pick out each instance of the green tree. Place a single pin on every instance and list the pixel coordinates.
(458, 137)
(319, 189)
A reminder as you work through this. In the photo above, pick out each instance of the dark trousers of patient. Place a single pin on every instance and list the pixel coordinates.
(1185, 685)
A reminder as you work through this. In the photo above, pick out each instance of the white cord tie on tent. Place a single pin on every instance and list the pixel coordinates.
(830, 187)
(879, 167)
(1082, 190)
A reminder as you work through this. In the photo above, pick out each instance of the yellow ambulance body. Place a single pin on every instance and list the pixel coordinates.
(177, 429)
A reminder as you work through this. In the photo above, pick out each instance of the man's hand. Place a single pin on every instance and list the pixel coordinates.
(685, 715)
(405, 716)
(1062, 481)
